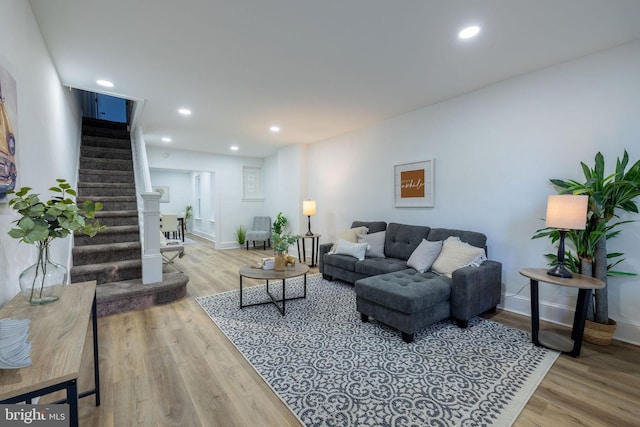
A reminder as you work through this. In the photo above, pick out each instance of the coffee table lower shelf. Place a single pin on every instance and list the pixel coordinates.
(260, 274)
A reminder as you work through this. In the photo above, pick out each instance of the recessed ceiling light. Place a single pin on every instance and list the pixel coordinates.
(274, 129)
(184, 111)
(234, 148)
(166, 139)
(469, 32)
(105, 83)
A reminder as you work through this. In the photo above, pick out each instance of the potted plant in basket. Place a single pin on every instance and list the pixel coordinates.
(281, 240)
(607, 194)
(40, 223)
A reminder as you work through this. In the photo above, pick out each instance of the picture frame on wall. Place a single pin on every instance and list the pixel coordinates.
(252, 183)
(8, 133)
(413, 184)
(164, 193)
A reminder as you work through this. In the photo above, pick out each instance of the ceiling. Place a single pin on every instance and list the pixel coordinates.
(317, 69)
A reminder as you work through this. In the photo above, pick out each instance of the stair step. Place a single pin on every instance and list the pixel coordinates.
(117, 297)
(113, 203)
(124, 185)
(105, 141)
(117, 218)
(105, 164)
(104, 124)
(105, 152)
(114, 176)
(106, 272)
(115, 234)
(106, 253)
(108, 189)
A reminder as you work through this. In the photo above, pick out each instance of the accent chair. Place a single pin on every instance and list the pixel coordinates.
(259, 232)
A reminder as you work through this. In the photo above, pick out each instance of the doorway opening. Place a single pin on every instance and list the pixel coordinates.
(106, 107)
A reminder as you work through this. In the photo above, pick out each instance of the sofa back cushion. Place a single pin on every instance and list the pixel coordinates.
(473, 238)
(401, 239)
(373, 226)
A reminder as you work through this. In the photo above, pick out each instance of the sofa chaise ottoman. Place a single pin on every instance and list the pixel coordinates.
(389, 288)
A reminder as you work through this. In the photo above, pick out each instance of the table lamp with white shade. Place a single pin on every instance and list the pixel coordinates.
(565, 212)
(309, 209)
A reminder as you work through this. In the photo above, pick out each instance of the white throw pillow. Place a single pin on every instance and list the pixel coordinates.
(356, 250)
(424, 255)
(455, 254)
(477, 261)
(350, 235)
(376, 243)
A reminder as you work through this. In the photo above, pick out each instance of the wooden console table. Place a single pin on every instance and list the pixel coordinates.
(57, 334)
(585, 284)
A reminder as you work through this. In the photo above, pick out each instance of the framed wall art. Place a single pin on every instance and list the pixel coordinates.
(413, 185)
(252, 183)
(8, 133)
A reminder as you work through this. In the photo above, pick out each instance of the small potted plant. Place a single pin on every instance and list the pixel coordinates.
(40, 223)
(188, 216)
(241, 234)
(281, 240)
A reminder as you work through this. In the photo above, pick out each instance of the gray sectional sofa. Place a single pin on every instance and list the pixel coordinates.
(400, 296)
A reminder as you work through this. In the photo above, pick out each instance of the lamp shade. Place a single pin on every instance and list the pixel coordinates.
(567, 211)
(309, 207)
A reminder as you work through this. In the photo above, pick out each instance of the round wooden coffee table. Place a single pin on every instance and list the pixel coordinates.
(260, 274)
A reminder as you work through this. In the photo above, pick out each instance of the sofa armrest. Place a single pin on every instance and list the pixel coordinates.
(475, 290)
(323, 249)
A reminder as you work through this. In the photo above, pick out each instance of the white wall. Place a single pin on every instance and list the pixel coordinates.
(180, 189)
(48, 132)
(495, 150)
(230, 211)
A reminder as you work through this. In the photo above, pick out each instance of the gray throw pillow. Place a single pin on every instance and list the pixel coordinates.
(424, 255)
(375, 242)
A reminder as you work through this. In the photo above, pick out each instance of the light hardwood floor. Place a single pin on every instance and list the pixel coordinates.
(170, 365)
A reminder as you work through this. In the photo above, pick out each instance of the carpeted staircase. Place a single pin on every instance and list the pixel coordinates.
(114, 256)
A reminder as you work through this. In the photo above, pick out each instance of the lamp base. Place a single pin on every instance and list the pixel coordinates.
(560, 271)
(309, 233)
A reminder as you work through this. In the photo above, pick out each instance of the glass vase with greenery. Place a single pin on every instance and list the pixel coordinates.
(39, 224)
(281, 239)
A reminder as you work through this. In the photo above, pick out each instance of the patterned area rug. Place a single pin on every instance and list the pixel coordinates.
(333, 370)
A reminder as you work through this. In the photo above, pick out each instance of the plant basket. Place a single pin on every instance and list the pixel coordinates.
(599, 333)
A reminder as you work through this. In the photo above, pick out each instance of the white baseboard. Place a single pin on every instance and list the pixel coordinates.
(228, 245)
(563, 315)
(207, 236)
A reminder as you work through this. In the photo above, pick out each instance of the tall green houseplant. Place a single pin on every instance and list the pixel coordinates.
(608, 194)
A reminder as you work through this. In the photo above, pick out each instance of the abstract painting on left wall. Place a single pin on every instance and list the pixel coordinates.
(8, 129)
